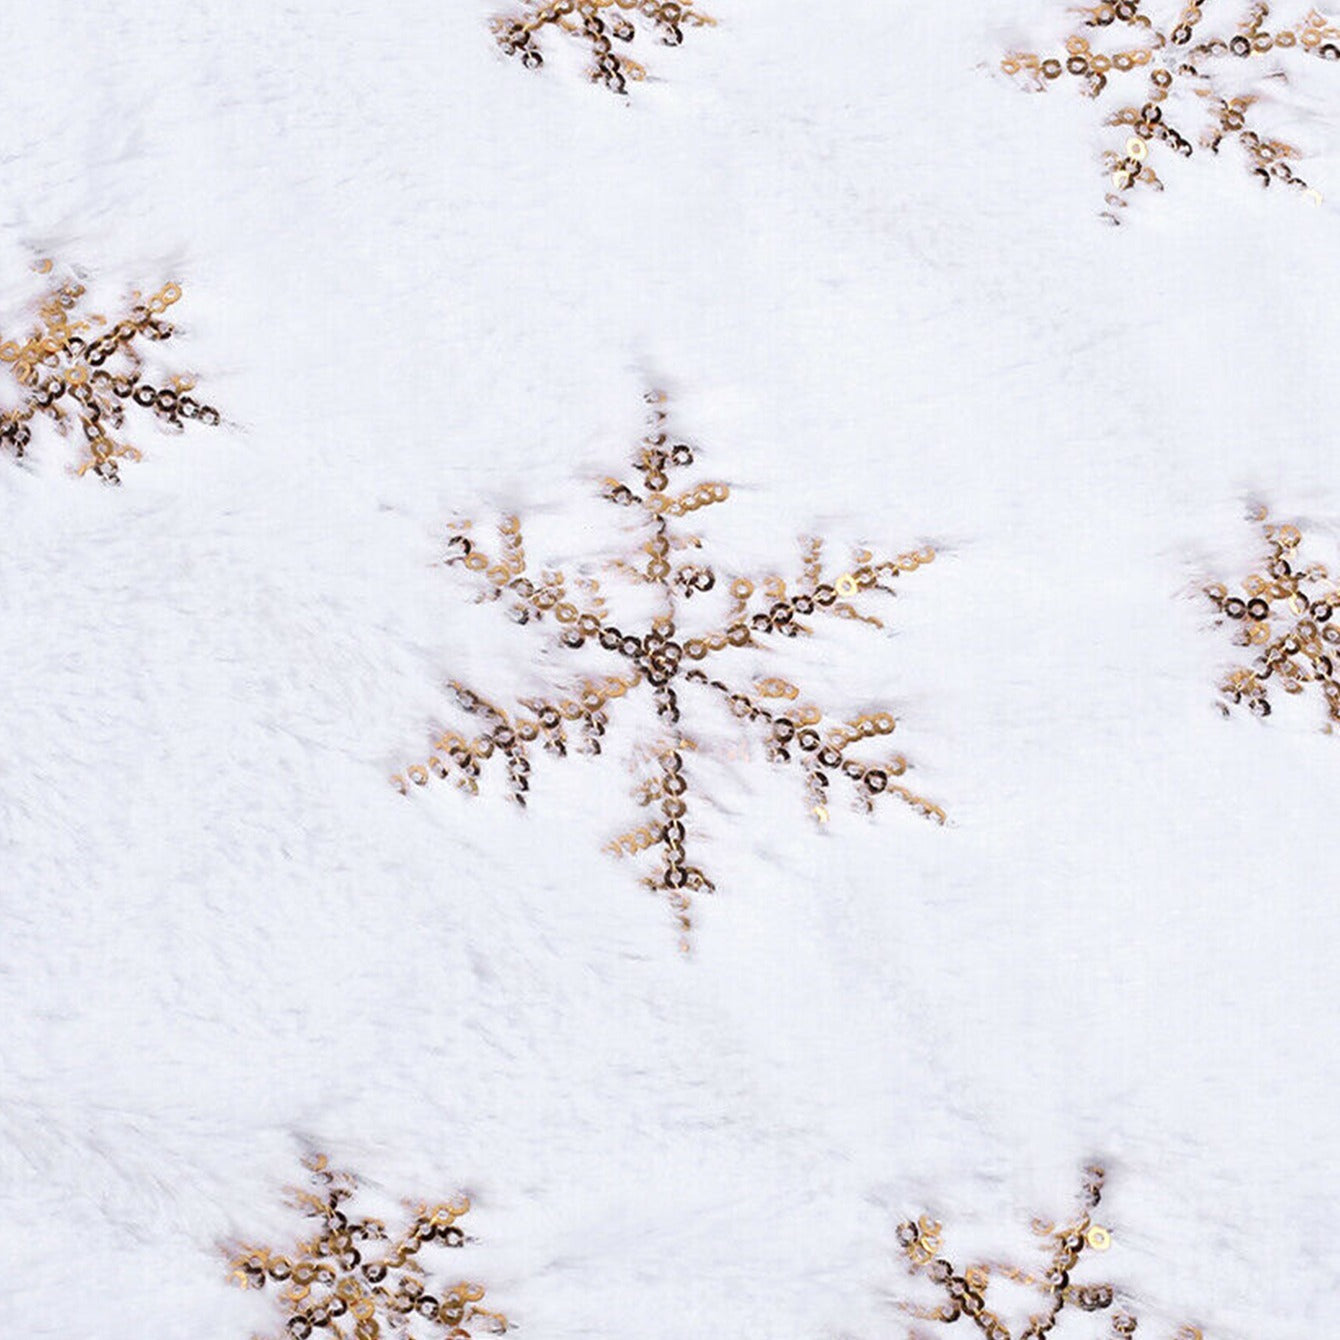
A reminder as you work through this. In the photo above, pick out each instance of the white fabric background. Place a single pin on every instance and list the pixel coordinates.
(424, 283)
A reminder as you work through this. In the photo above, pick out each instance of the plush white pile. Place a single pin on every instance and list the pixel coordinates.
(423, 283)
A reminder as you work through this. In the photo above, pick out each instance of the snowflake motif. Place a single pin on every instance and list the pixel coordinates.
(582, 19)
(334, 1283)
(965, 1290)
(1183, 75)
(66, 372)
(669, 661)
(1300, 601)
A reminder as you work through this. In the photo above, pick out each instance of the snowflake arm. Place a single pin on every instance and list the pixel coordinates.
(1184, 72)
(517, 33)
(339, 1282)
(86, 370)
(1286, 612)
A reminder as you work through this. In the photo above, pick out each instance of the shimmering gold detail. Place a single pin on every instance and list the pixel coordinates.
(339, 1284)
(921, 1241)
(586, 20)
(757, 612)
(1286, 614)
(1204, 75)
(965, 1291)
(85, 369)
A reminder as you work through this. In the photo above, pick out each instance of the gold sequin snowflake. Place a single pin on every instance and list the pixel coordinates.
(352, 1281)
(670, 660)
(89, 371)
(965, 1291)
(1286, 613)
(1216, 80)
(588, 21)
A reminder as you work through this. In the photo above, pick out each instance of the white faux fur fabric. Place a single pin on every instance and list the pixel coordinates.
(424, 284)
